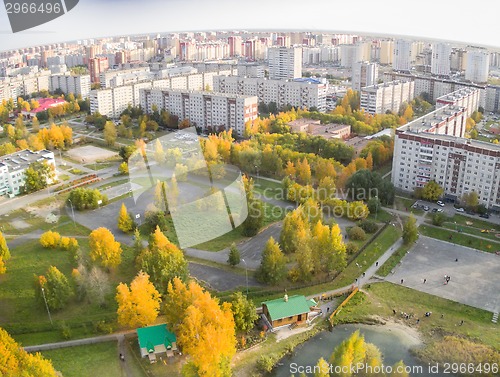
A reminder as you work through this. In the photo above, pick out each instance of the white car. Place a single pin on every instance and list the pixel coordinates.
(440, 203)
(460, 209)
(439, 210)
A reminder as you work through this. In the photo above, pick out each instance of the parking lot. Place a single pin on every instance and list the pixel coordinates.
(474, 278)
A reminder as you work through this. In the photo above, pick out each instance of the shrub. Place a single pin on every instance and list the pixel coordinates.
(266, 363)
(50, 239)
(351, 248)
(369, 226)
(68, 243)
(65, 331)
(438, 219)
(356, 233)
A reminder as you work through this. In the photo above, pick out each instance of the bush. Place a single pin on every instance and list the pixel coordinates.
(68, 243)
(85, 198)
(65, 331)
(351, 248)
(356, 233)
(104, 328)
(438, 219)
(50, 239)
(266, 363)
(369, 226)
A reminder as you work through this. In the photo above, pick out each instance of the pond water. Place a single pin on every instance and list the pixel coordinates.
(393, 344)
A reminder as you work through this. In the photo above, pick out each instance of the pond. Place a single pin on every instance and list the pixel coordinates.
(394, 344)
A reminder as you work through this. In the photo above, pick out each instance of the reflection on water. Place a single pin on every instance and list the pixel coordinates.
(393, 345)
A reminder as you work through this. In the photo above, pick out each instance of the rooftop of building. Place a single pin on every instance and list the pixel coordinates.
(484, 145)
(22, 159)
(415, 76)
(385, 85)
(457, 94)
(201, 93)
(432, 119)
(152, 336)
(47, 103)
(288, 306)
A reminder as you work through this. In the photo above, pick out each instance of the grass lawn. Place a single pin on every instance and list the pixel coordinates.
(100, 165)
(382, 298)
(99, 359)
(393, 260)
(384, 169)
(63, 177)
(459, 239)
(381, 216)
(473, 231)
(368, 257)
(113, 184)
(404, 204)
(476, 223)
(76, 171)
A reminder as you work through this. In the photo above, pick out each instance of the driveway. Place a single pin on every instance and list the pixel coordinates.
(221, 280)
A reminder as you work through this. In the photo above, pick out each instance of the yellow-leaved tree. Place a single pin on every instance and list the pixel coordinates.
(125, 222)
(104, 248)
(15, 361)
(50, 239)
(200, 323)
(138, 306)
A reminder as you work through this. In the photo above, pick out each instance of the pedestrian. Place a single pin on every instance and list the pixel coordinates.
(364, 274)
(376, 264)
(402, 281)
(461, 322)
(394, 311)
(456, 260)
(122, 358)
(327, 309)
(418, 321)
(425, 280)
(442, 315)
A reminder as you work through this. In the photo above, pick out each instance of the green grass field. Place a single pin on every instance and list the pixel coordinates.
(393, 260)
(459, 239)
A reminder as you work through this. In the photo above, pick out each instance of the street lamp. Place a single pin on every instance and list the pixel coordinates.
(72, 212)
(376, 211)
(47, 306)
(246, 273)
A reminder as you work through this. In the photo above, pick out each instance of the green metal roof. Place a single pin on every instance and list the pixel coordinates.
(152, 336)
(311, 302)
(280, 308)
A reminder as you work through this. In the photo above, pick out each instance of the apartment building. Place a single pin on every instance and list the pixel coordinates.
(402, 55)
(285, 63)
(441, 59)
(469, 98)
(23, 85)
(207, 110)
(78, 85)
(478, 66)
(304, 92)
(427, 150)
(13, 166)
(377, 99)
(492, 103)
(364, 74)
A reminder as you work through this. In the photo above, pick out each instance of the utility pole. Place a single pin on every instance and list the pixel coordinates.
(246, 273)
(47, 306)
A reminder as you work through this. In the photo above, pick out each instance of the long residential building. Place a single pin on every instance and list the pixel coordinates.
(23, 85)
(13, 166)
(207, 110)
(469, 98)
(78, 85)
(389, 96)
(305, 92)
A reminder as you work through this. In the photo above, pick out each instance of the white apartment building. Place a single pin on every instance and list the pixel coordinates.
(13, 166)
(469, 98)
(207, 110)
(441, 59)
(424, 151)
(386, 55)
(478, 66)
(304, 92)
(78, 85)
(106, 77)
(492, 99)
(364, 74)
(285, 63)
(402, 58)
(377, 99)
(22, 85)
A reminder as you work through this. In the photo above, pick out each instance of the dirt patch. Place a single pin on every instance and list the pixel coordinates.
(90, 153)
(49, 213)
(409, 335)
(19, 224)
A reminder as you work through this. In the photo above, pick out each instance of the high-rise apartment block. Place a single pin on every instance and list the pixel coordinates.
(441, 59)
(389, 96)
(364, 74)
(96, 66)
(78, 85)
(402, 58)
(285, 63)
(478, 66)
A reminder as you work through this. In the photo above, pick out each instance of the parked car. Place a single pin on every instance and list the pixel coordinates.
(426, 208)
(440, 203)
(440, 210)
(434, 210)
(460, 209)
(485, 215)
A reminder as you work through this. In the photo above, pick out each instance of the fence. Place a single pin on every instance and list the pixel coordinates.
(339, 308)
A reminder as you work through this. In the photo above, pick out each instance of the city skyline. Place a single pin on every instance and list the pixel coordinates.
(124, 19)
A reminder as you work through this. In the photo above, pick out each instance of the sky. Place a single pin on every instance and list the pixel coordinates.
(473, 22)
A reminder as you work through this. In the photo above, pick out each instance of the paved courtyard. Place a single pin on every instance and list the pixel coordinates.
(474, 278)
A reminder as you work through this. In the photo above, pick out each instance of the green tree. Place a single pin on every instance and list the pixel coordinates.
(410, 230)
(272, 268)
(255, 218)
(163, 261)
(323, 368)
(294, 226)
(126, 151)
(234, 256)
(57, 289)
(244, 312)
(438, 219)
(432, 191)
(37, 176)
(365, 184)
(4, 248)
(399, 370)
(110, 133)
(470, 200)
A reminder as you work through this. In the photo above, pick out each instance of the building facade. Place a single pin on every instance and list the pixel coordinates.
(377, 99)
(13, 166)
(441, 59)
(78, 85)
(298, 93)
(206, 110)
(364, 74)
(402, 57)
(285, 63)
(478, 66)
(469, 98)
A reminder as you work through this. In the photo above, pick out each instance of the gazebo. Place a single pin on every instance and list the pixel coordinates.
(156, 340)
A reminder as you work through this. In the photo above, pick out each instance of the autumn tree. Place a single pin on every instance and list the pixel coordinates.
(255, 217)
(15, 361)
(410, 230)
(104, 248)
(327, 247)
(244, 312)
(163, 261)
(125, 222)
(37, 176)
(56, 288)
(432, 191)
(35, 125)
(470, 199)
(110, 133)
(138, 305)
(323, 368)
(234, 255)
(294, 227)
(123, 168)
(200, 322)
(50, 239)
(272, 268)
(92, 284)
(303, 170)
(4, 248)
(3, 269)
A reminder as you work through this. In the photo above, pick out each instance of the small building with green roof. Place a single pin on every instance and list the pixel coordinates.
(288, 310)
(156, 340)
